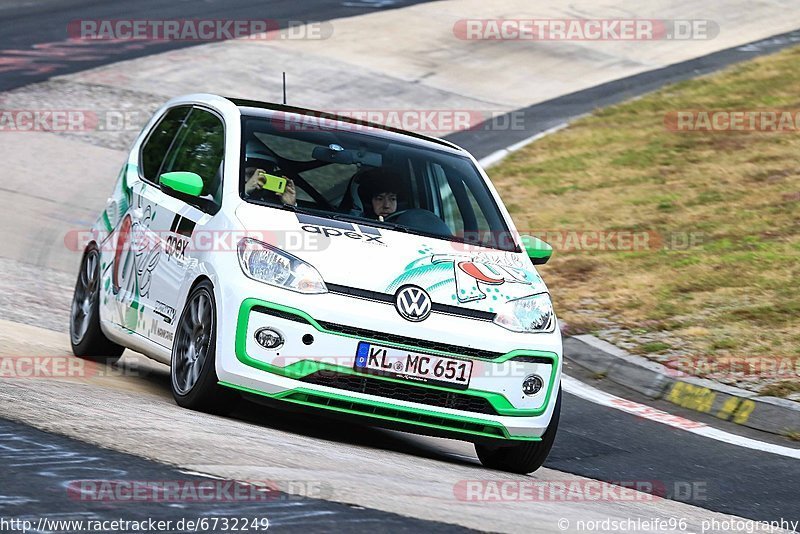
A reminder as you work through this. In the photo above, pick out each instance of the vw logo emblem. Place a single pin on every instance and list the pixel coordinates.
(412, 303)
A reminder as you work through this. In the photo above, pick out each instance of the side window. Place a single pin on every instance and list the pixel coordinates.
(483, 224)
(157, 145)
(452, 215)
(200, 148)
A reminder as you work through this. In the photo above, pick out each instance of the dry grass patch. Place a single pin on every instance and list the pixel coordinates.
(722, 275)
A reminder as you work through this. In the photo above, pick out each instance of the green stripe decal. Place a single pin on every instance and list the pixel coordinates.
(302, 368)
(388, 412)
(106, 221)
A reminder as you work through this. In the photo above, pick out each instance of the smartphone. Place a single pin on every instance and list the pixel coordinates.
(275, 184)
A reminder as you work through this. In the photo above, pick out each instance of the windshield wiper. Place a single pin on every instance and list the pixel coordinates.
(368, 222)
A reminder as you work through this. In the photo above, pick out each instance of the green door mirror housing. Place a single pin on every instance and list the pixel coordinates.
(188, 183)
(538, 251)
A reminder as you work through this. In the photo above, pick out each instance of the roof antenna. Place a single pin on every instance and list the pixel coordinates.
(284, 88)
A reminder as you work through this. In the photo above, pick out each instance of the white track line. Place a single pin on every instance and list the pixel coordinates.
(496, 157)
(587, 392)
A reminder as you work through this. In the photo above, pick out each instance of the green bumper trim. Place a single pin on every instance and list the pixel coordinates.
(466, 426)
(302, 368)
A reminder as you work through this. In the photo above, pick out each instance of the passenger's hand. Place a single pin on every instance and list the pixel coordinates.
(289, 195)
(255, 182)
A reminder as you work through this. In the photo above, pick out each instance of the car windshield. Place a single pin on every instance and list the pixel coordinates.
(342, 170)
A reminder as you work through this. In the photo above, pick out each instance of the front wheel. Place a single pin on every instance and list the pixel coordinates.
(86, 337)
(193, 376)
(522, 458)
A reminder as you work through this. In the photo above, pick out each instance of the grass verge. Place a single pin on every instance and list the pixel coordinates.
(716, 272)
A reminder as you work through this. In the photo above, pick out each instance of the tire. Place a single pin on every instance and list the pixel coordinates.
(86, 336)
(525, 457)
(193, 377)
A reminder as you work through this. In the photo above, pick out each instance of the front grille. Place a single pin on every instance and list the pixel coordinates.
(399, 391)
(363, 333)
(377, 296)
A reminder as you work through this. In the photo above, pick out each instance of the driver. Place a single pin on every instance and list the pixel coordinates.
(381, 188)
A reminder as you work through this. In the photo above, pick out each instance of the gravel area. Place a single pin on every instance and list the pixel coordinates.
(104, 116)
(35, 295)
(632, 340)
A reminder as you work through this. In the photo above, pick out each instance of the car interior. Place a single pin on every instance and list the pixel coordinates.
(440, 194)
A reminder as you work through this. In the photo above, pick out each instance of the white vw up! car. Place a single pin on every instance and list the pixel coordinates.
(318, 262)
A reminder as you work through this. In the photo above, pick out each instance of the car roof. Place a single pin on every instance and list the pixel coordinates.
(268, 109)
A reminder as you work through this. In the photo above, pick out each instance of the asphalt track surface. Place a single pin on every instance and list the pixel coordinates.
(593, 441)
(35, 42)
(42, 472)
(487, 138)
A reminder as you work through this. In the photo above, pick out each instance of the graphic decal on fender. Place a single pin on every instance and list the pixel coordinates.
(123, 264)
(176, 244)
(136, 256)
(176, 248)
(119, 202)
(487, 278)
(472, 275)
(166, 311)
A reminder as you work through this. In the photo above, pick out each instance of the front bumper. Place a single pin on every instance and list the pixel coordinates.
(320, 375)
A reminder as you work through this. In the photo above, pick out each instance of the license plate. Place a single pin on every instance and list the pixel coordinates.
(427, 368)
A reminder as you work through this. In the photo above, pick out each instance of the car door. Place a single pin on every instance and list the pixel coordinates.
(137, 249)
(197, 147)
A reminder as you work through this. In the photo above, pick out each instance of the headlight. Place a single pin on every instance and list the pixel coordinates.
(276, 267)
(529, 314)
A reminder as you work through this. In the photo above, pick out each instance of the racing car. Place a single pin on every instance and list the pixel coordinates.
(319, 262)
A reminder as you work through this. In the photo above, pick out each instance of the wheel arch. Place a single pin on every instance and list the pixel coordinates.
(190, 283)
(197, 281)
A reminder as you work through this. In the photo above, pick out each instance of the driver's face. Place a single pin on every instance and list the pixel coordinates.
(384, 204)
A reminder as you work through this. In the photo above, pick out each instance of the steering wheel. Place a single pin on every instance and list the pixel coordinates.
(392, 216)
(420, 219)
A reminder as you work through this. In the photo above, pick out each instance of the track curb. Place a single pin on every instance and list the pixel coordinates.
(656, 381)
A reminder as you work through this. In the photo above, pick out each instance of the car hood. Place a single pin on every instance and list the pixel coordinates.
(382, 260)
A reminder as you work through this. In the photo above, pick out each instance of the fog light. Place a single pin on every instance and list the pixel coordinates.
(532, 384)
(269, 338)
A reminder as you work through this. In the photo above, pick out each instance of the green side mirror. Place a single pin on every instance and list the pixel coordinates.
(538, 251)
(188, 183)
